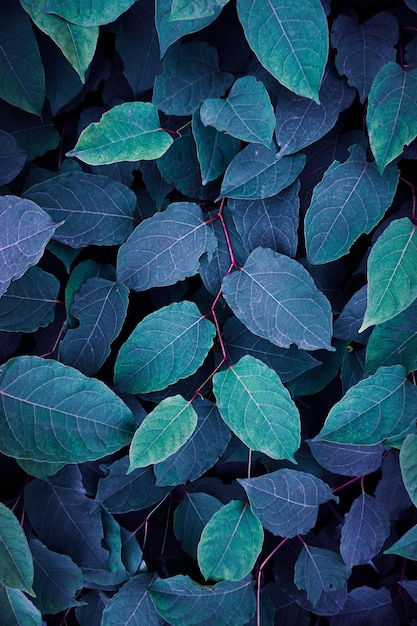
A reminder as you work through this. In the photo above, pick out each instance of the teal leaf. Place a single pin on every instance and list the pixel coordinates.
(29, 302)
(128, 132)
(350, 200)
(163, 431)
(191, 516)
(102, 215)
(406, 546)
(48, 424)
(90, 13)
(33, 135)
(378, 407)
(289, 308)
(230, 543)
(258, 172)
(16, 563)
(165, 248)
(258, 408)
(347, 459)
(226, 603)
(100, 305)
(132, 605)
(390, 118)
(79, 275)
(26, 229)
(408, 464)
(190, 75)
(287, 501)
(363, 48)
(12, 158)
(290, 41)
(195, 9)
(165, 346)
(318, 570)
(17, 610)
(246, 113)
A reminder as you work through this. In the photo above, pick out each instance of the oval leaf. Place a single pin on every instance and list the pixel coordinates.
(132, 605)
(16, 563)
(318, 570)
(195, 9)
(190, 517)
(17, 610)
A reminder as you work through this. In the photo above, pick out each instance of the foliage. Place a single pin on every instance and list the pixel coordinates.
(208, 292)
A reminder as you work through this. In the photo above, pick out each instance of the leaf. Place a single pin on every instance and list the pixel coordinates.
(258, 408)
(258, 172)
(162, 432)
(59, 415)
(364, 532)
(165, 248)
(12, 158)
(132, 605)
(318, 570)
(340, 212)
(378, 407)
(191, 516)
(194, 9)
(347, 459)
(79, 275)
(408, 466)
(291, 44)
(128, 132)
(16, 564)
(29, 302)
(392, 284)
(102, 215)
(350, 319)
(190, 75)
(330, 362)
(17, 610)
(276, 298)
(33, 135)
(367, 605)
(230, 543)
(100, 305)
(286, 501)
(77, 43)
(90, 13)
(390, 116)
(406, 546)
(26, 229)
(246, 113)
(226, 603)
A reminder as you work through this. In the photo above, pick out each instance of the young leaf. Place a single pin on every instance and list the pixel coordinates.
(52, 412)
(230, 543)
(17, 610)
(162, 432)
(318, 570)
(408, 457)
(287, 501)
(128, 132)
(406, 546)
(191, 516)
(276, 298)
(194, 9)
(88, 13)
(392, 282)
(342, 211)
(258, 408)
(132, 605)
(16, 563)
(290, 40)
(12, 158)
(390, 118)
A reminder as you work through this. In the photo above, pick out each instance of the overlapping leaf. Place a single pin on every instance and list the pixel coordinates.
(347, 459)
(90, 13)
(408, 464)
(12, 157)
(365, 604)
(318, 570)
(191, 516)
(17, 610)
(132, 605)
(350, 319)
(195, 9)
(406, 546)
(16, 564)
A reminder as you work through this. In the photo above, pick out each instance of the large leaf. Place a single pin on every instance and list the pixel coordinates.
(350, 200)
(90, 13)
(390, 115)
(408, 464)
(128, 132)
(290, 41)
(406, 546)
(165, 248)
(230, 543)
(318, 570)
(392, 281)
(195, 9)
(225, 604)
(258, 408)
(367, 606)
(378, 407)
(102, 215)
(167, 345)
(12, 157)
(51, 412)
(276, 298)
(347, 459)
(17, 610)
(26, 229)
(287, 501)
(132, 605)
(16, 564)
(191, 516)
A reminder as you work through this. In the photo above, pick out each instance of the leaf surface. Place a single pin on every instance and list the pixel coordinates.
(318, 570)
(16, 563)
(406, 546)
(347, 459)
(132, 605)
(88, 13)
(12, 157)
(365, 604)
(17, 610)
(191, 516)
(195, 9)
(408, 464)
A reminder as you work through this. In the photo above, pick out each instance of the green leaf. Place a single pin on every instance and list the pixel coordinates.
(194, 9)
(406, 546)
(276, 298)
(12, 158)
(17, 610)
(246, 113)
(230, 543)
(392, 280)
(51, 412)
(290, 40)
(378, 407)
(191, 516)
(88, 12)
(342, 211)
(162, 432)
(166, 346)
(258, 408)
(165, 248)
(16, 564)
(390, 118)
(128, 132)
(132, 605)
(408, 464)
(222, 604)
(318, 570)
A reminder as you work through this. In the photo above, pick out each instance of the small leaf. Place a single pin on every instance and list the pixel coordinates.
(12, 158)
(291, 44)
(191, 516)
(16, 563)
(162, 432)
(406, 546)
(128, 132)
(195, 9)
(17, 610)
(230, 543)
(408, 464)
(132, 605)
(88, 13)
(318, 570)
(276, 298)
(287, 501)
(350, 319)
